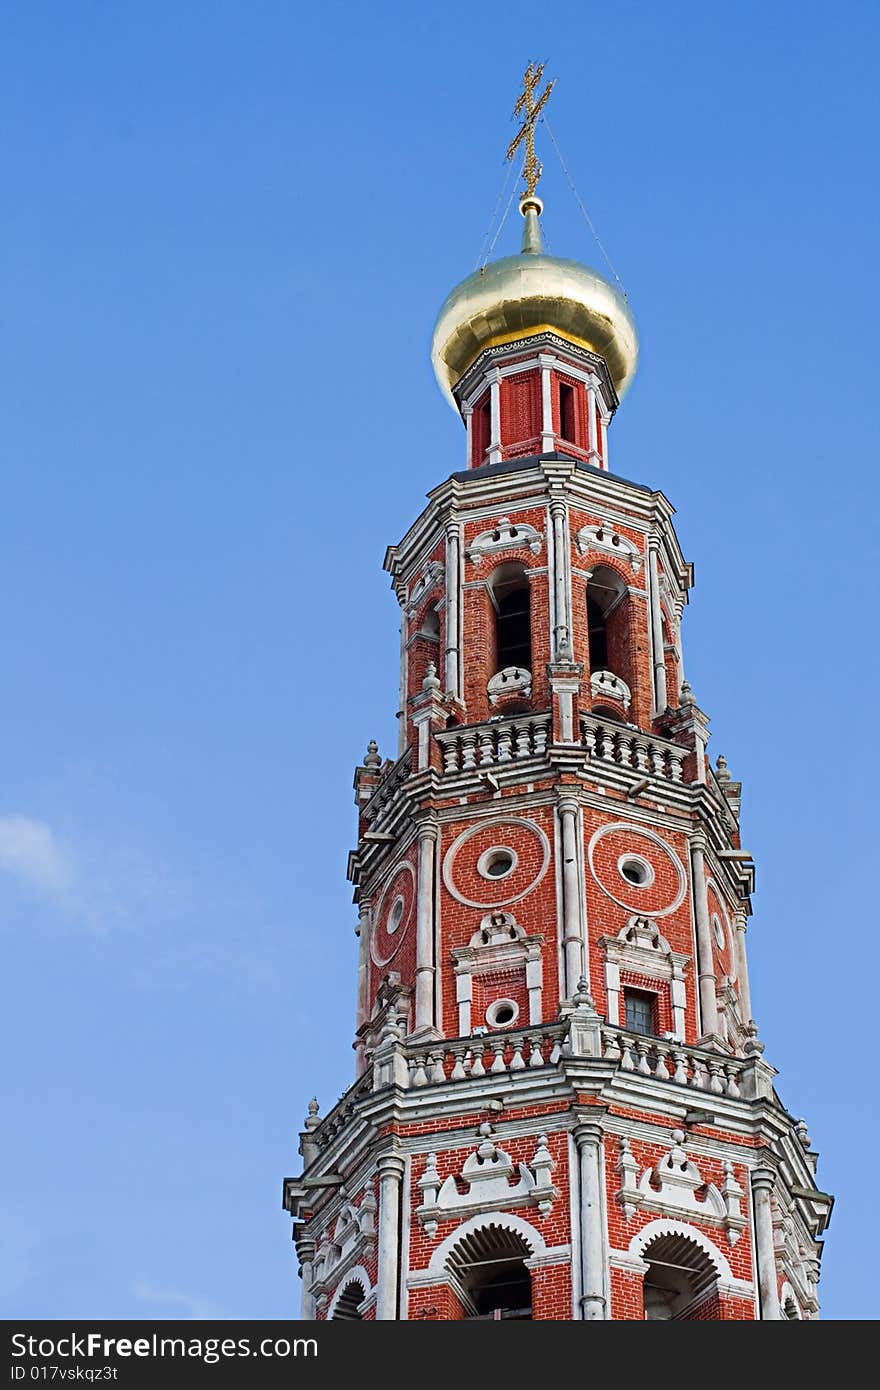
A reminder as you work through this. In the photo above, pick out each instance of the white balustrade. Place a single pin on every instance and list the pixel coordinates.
(618, 744)
(500, 741)
(496, 1054)
(672, 1061)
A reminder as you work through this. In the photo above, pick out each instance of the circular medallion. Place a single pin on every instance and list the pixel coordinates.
(484, 868)
(393, 914)
(638, 876)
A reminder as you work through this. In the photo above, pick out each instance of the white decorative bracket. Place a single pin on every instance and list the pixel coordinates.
(605, 539)
(605, 685)
(426, 581)
(513, 680)
(487, 1175)
(504, 536)
(676, 1186)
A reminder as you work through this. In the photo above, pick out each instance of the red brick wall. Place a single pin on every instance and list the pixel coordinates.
(520, 413)
(627, 1298)
(535, 911)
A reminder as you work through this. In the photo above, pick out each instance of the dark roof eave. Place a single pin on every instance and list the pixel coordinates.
(516, 465)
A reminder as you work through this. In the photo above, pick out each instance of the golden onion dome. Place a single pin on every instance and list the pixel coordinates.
(517, 296)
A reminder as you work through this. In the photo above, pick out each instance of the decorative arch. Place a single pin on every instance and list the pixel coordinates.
(427, 621)
(655, 1230)
(505, 1220)
(357, 1275)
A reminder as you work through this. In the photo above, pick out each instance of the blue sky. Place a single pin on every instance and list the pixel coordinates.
(227, 228)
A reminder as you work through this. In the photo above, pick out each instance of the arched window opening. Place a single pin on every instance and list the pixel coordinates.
(348, 1305)
(606, 712)
(488, 1267)
(680, 1285)
(511, 598)
(607, 630)
(430, 626)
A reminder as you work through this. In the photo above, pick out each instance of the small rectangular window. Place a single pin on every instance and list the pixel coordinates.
(641, 1011)
(567, 418)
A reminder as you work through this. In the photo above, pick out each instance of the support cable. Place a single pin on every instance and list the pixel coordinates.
(484, 254)
(579, 201)
(500, 227)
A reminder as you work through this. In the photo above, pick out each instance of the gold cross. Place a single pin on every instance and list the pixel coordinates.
(532, 168)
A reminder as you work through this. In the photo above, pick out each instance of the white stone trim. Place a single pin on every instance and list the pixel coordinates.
(556, 359)
(501, 1004)
(508, 1221)
(483, 862)
(628, 857)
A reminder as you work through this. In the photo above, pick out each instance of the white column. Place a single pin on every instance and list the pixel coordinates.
(464, 994)
(679, 657)
(768, 1287)
(678, 997)
(612, 987)
(588, 1137)
(535, 985)
(305, 1249)
(705, 960)
(453, 539)
(363, 933)
(561, 580)
(495, 408)
(548, 438)
(468, 413)
(404, 676)
(592, 435)
(656, 630)
(390, 1177)
(425, 930)
(572, 898)
(742, 965)
(604, 431)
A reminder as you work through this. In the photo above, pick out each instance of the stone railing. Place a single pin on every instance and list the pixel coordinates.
(645, 754)
(321, 1132)
(495, 1054)
(671, 1061)
(496, 742)
(395, 776)
(581, 1034)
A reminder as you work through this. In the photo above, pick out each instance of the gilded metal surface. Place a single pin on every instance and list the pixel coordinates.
(532, 168)
(519, 295)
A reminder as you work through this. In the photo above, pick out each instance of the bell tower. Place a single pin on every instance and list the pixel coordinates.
(561, 1109)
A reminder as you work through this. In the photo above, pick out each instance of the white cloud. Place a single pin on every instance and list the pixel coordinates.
(31, 852)
(185, 1305)
(99, 883)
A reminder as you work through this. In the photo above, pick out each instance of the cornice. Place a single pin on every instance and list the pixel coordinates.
(534, 482)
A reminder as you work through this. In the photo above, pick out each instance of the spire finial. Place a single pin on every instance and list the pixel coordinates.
(528, 107)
